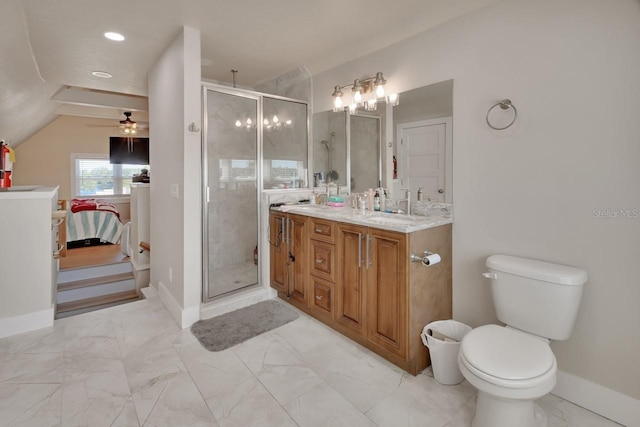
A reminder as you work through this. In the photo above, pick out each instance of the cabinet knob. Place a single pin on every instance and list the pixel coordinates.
(319, 297)
(319, 261)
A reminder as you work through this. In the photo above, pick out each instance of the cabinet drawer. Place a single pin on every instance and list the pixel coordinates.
(322, 296)
(323, 260)
(323, 230)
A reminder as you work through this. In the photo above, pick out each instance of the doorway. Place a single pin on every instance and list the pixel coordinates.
(425, 147)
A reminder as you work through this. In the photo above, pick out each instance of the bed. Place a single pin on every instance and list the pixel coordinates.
(93, 219)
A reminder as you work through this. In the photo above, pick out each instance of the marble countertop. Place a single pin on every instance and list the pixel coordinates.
(27, 192)
(387, 221)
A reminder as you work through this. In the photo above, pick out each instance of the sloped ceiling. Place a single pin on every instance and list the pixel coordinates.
(47, 46)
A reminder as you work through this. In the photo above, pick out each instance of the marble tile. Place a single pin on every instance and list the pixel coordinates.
(561, 413)
(127, 417)
(363, 381)
(37, 405)
(413, 404)
(180, 404)
(149, 368)
(276, 417)
(163, 377)
(32, 368)
(323, 406)
(213, 372)
(243, 405)
(279, 368)
(95, 391)
(47, 340)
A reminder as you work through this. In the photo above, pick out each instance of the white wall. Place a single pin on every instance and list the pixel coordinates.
(571, 68)
(176, 226)
(26, 282)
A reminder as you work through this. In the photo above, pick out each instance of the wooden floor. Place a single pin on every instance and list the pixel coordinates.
(92, 256)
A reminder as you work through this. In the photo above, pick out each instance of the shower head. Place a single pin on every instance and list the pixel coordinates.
(326, 144)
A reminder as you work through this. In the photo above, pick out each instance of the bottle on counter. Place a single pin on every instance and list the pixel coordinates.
(370, 199)
(376, 201)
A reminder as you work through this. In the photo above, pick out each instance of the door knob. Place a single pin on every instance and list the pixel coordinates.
(440, 191)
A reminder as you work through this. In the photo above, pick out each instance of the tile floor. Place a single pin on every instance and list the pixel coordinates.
(130, 365)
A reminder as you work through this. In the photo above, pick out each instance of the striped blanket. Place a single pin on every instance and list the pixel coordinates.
(93, 224)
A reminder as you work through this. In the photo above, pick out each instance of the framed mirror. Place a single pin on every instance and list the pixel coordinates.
(407, 146)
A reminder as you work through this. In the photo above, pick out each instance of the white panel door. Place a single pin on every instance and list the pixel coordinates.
(423, 160)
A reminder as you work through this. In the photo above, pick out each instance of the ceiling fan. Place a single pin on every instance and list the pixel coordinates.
(127, 126)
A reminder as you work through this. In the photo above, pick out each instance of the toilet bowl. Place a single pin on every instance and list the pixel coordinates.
(510, 369)
(513, 365)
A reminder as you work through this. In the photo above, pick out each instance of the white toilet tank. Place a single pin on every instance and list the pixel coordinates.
(534, 296)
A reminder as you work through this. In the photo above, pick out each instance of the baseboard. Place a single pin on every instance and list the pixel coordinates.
(235, 302)
(183, 317)
(609, 403)
(26, 322)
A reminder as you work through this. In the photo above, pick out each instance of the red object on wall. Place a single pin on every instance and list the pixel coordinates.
(5, 167)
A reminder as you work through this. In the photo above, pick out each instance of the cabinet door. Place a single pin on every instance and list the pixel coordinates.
(321, 300)
(387, 291)
(298, 244)
(350, 291)
(279, 251)
(322, 260)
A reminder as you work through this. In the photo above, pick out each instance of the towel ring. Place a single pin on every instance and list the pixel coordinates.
(505, 104)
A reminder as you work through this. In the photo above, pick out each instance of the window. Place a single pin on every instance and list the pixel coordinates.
(93, 175)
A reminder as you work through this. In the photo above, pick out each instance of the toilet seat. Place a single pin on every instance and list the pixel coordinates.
(507, 358)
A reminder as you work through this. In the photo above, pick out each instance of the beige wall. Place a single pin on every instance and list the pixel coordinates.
(571, 68)
(45, 158)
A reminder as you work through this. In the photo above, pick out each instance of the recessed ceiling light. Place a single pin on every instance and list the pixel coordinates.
(102, 74)
(114, 36)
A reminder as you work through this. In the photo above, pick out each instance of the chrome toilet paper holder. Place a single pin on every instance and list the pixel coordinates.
(424, 259)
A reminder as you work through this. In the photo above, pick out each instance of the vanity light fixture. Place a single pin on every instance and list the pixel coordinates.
(393, 99)
(276, 123)
(359, 88)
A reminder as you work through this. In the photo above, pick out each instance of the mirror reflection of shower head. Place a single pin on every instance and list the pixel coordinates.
(326, 144)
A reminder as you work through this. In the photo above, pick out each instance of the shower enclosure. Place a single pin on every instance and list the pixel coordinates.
(251, 142)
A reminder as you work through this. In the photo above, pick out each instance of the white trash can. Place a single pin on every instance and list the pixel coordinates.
(442, 338)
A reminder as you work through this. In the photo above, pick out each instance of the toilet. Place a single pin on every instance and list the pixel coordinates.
(513, 365)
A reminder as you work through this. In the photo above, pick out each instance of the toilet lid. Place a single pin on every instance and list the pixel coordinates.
(506, 353)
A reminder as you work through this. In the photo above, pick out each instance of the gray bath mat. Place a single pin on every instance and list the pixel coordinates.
(227, 330)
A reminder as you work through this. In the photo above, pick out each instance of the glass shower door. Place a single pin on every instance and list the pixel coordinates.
(231, 181)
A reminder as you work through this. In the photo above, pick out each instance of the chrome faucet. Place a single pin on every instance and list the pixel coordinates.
(407, 199)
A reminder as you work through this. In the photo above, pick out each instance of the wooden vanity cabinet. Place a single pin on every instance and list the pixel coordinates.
(279, 253)
(350, 290)
(360, 281)
(322, 267)
(288, 257)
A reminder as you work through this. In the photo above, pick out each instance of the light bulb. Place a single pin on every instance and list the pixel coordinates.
(275, 119)
(357, 97)
(379, 91)
(249, 122)
(238, 123)
(266, 122)
(337, 104)
(288, 122)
